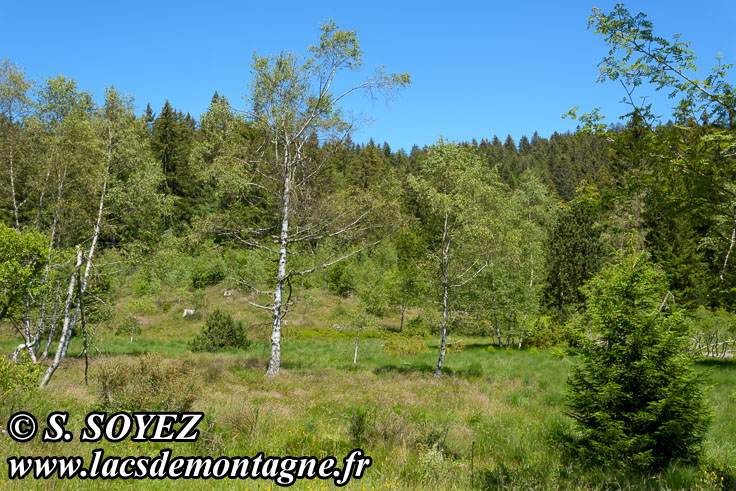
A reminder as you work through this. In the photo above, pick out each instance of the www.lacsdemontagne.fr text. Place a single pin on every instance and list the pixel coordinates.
(284, 471)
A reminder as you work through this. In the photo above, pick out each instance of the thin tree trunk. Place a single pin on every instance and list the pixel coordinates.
(357, 338)
(12, 179)
(28, 342)
(733, 239)
(445, 286)
(528, 299)
(403, 311)
(54, 319)
(66, 330)
(34, 343)
(274, 363)
(80, 293)
(498, 330)
(41, 196)
(69, 320)
(495, 311)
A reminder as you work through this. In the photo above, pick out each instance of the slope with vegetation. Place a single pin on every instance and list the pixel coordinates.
(425, 306)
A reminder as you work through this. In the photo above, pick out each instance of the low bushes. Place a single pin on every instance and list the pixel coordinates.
(147, 383)
(18, 376)
(220, 332)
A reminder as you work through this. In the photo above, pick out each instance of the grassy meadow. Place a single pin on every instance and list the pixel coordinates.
(495, 419)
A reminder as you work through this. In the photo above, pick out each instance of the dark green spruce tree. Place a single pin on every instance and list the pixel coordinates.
(635, 396)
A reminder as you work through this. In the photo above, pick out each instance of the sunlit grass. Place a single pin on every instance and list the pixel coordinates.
(499, 405)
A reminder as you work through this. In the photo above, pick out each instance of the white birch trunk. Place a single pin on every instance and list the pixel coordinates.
(12, 179)
(54, 318)
(495, 312)
(69, 319)
(528, 300)
(730, 247)
(274, 362)
(445, 287)
(355, 356)
(67, 328)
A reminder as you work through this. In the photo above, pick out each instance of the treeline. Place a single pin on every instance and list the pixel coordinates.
(501, 235)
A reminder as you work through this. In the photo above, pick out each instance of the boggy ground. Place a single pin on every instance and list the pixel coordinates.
(490, 420)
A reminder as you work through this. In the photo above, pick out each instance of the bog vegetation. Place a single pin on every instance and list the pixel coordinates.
(548, 313)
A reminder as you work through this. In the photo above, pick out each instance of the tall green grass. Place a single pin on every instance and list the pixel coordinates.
(506, 408)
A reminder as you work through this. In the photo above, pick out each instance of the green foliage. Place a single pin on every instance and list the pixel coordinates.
(172, 137)
(247, 265)
(707, 321)
(147, 383)
(199, 300)
(637, 55)
(179, 263)
(341, 279)
(360, 425)
(546, 334)
(405, 345)
(574, 253)
(577, 329)
(142, 306)
(127, 325)
(134, 205)
(23, 256)
(208, 269)
(221, 332)
(20, 376)
(144, 283)
(422, 325)
(672, 180)
(635, 395)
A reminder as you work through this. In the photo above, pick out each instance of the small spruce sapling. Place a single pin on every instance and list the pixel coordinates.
(636, 396)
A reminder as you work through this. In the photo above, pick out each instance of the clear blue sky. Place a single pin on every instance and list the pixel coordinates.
(478, 68)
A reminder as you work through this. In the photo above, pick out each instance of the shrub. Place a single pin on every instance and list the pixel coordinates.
(127, 325)
(577, 329)
(375, 298)
(221, 331)
(421, 325)
(453, 346)
(144, 283)
(142, 306)
(360, 425)
(248, 265)
(398, 345)
(635, 395)
(147, 383)
(21, 376)
(199, 300)
(208, 269)
(546, 335)
(340, 279)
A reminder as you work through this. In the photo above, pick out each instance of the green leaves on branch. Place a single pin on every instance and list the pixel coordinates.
(637, 55)
(23, 256)
(292, 96)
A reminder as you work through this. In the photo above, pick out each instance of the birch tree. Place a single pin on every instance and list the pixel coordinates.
(295, 106)
(90, 174)
(15, 104)
(464, 206)
(509, 290)
(126, 182)
(63, 147)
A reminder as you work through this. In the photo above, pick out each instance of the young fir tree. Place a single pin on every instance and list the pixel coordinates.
(172, 140)
(635, 396)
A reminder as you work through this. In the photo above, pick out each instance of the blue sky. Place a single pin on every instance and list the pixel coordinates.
(478, 68)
